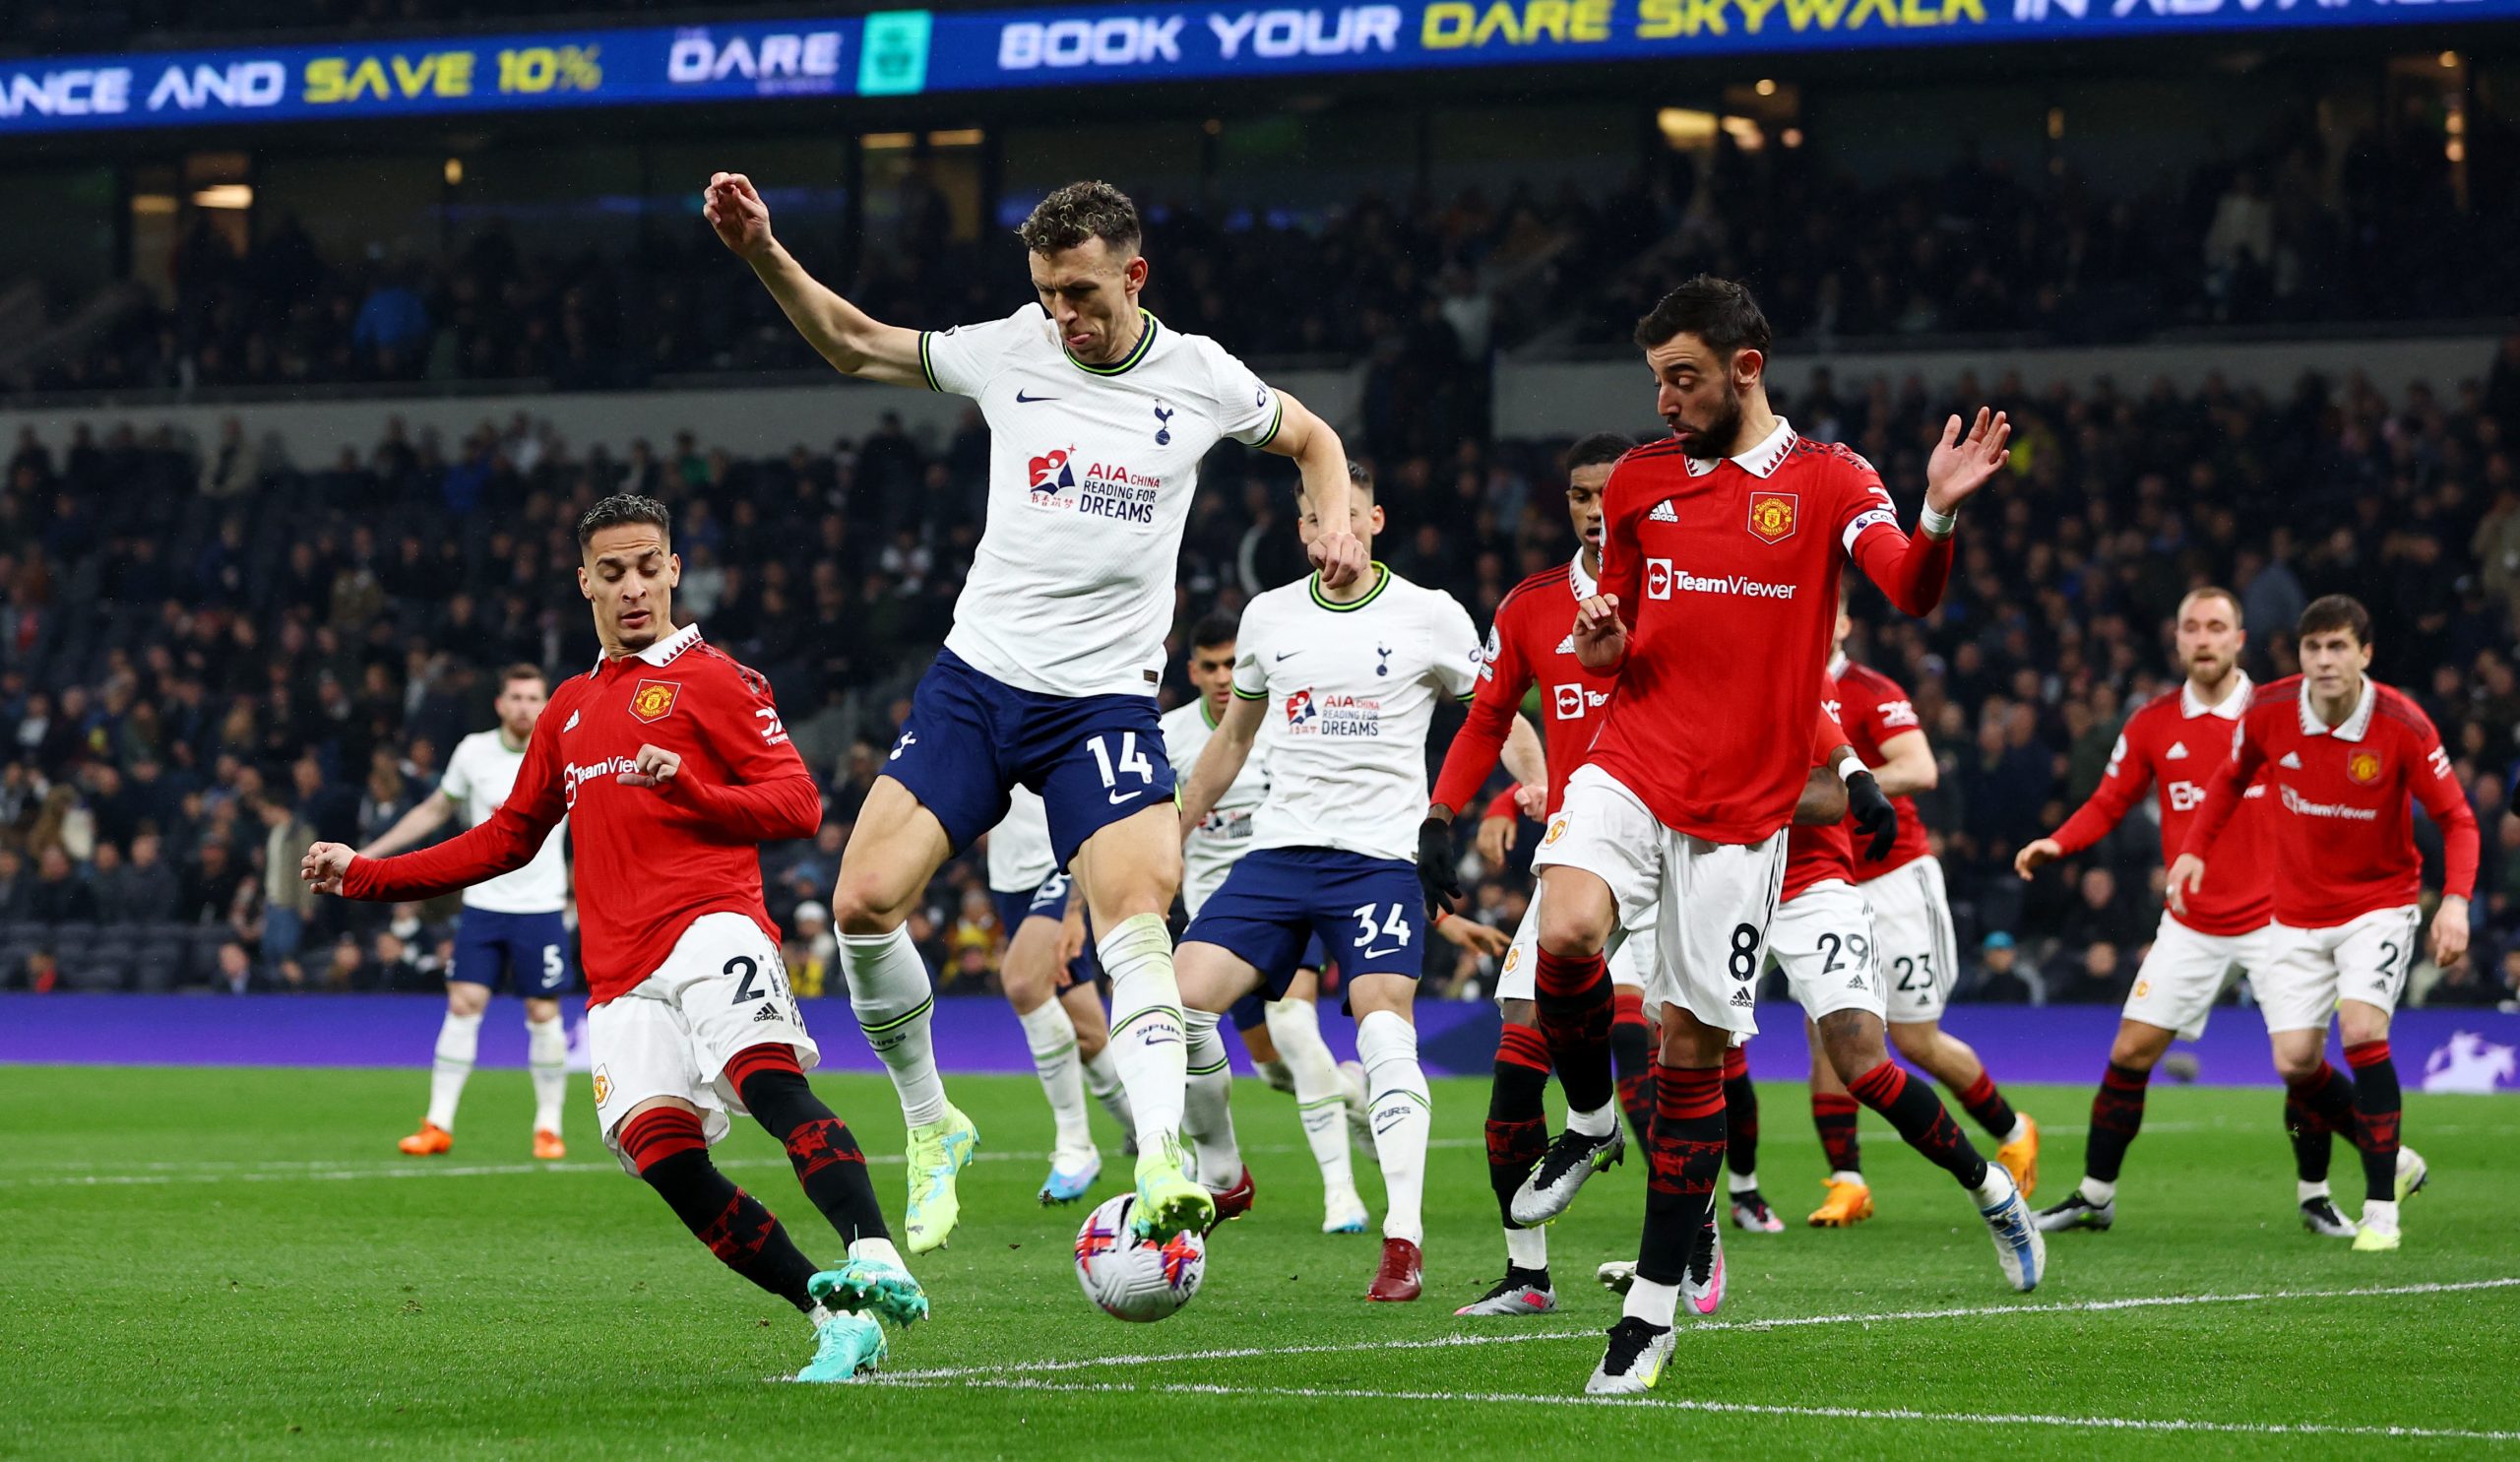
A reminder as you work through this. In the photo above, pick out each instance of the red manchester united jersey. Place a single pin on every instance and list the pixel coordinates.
(1727, 577)
(1874, 709)
(2177, 743)
(1819, 852)
(2338, 822)
(1532, 642)
(649, 859)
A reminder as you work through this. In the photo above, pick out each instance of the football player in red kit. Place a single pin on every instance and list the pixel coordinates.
(670, 761)
(2340, 755)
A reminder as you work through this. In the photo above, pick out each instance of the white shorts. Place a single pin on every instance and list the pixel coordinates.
(1631, 956)
(1913, 941)
(1709, 904)
(720, 991)
(1822, 939)
(2187, 972)
(2308, 971)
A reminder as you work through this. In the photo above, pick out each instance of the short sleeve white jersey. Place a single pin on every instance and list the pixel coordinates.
(1091, 471)
(479, 775)
(1351, 691)
(1220, 840)
(1020, 860)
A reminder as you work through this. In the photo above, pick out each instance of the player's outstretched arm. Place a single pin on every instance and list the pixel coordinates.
(1323, 460)
(1225, 753)
(1526, 758)
(853, 341)
(2446, 802)
(506, 843)
(1907, 765)
(425, 817)
(2126, 782)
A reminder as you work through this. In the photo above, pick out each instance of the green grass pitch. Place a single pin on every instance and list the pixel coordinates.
(237, 1263)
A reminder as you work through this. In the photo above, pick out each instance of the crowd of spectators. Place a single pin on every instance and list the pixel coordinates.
(208, 659)
(2301, 224)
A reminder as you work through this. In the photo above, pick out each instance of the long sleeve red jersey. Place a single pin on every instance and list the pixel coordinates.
(1874, 709)
(1727, 577)
(2337, 820)
(649, 859)
(2177, 743)
(1816, 853)
(1532, 641)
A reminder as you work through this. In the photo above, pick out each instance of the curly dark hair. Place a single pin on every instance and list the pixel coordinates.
(621, 508)
(1079, 212)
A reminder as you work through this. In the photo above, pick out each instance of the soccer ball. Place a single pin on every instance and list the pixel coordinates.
(1131, 1278)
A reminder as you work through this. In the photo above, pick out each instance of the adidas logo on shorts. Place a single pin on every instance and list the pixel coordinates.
(1742, 999)
(767, 1012)
(1858, 983)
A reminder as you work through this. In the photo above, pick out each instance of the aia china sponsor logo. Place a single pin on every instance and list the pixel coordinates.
(1301, 711)
(1773, 514)
(1113, 490)
(1050, 476)
(1314, 714)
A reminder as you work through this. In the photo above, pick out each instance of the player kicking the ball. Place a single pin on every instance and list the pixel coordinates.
(1348, 681)
(1283, 1035)
(1720, 555)
(511, 929)
(2340, 755)
(1098, 418)
(670, 761)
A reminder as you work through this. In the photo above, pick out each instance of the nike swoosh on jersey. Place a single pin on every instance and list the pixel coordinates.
(1022, 400)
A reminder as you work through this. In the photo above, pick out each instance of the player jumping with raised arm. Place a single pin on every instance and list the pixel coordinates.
(2339, 754)
(2174, 742)
(1348, 681)
(1912, 918)
(1282, 1034)
(1098, 418)
(1055, 994)
(1721, 553)
(511, 931)
(670, 763)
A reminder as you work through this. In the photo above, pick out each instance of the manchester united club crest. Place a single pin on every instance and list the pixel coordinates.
(603, 1085)
(2364, 767)
(1772, 516)
(653, 701)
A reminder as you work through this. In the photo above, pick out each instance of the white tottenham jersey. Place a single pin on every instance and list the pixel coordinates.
(1350, 692)
(1217, 844)
(1018, 846)
(1090, 469)
(478, 777)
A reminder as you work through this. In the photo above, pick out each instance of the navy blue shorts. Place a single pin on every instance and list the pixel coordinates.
(1285, 908)
(1094, 759)
(1252, 1011)
(1050, 901)
(526, 953)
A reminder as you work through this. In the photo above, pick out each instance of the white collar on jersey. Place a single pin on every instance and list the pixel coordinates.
(1837, 664)
(663, 652)
(1760, 461)
(2230, 706)
(1584, 583)
(2356, 725)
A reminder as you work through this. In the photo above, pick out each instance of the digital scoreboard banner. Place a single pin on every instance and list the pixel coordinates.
(908, 51)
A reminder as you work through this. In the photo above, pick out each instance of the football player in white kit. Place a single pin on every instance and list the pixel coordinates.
(1284, 1035)
(1347, 679)
(512, 930)
(1055, 994)
(1098, 416)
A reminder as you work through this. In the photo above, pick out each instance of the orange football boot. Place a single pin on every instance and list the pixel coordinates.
(2021, 1158)
(429, 1141)
(1848, 1204)
(547, 1145)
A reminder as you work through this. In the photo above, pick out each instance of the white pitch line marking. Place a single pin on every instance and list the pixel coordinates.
(1525, 1337)
(1745, 1408)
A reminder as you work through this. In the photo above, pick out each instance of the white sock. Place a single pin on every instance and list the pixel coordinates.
(1146, 1026)
(2020, 1129)
(1279, 1076)
(1207, 1105)
(1052, 1034)
(1402, 1111)
(1655, 1304)
(1593, 1123)
(889, 990)
(1843, 1176)
(1996, 1188)
(2304, 1192)
(546, 1056)
(458, 1041)
(879, 1251)
(1322, 1099)
(1102, 1080)
(2381, 1214)
(2096, 1192)
(1744, 1183)
(1527, 1248)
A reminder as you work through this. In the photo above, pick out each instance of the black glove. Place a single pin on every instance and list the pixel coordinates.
(1873, 813)
(1438, 872)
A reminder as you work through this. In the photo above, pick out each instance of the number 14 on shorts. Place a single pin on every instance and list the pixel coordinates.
(1130, 760)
